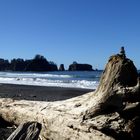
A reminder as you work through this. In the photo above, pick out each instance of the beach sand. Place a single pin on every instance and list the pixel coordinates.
(39, 93)
(34, 93)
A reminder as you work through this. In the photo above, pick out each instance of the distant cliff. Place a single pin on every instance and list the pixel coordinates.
(80, 67)
(39, 63)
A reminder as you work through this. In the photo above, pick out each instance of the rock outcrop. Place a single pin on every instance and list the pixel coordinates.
(39, 63)
(109, 113)
(80, 67)
(61, 68)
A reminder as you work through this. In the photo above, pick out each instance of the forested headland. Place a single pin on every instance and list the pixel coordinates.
(38, 63)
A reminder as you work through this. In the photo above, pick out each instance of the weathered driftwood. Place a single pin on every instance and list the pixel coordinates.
(100, 115)
(6, 129)
(26, 131)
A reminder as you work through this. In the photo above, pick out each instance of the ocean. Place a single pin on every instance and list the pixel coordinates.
(71, 79)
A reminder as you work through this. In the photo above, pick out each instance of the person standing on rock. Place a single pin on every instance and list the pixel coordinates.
(122, 52)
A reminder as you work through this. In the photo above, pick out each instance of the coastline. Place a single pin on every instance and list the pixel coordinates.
(39, 93)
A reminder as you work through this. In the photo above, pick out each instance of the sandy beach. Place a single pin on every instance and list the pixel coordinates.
(36, 93)
(39, 93)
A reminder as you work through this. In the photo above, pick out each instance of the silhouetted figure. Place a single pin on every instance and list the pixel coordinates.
(122, 52)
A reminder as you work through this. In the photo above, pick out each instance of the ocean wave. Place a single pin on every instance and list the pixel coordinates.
(45, 82)
(60, 79)
(34, 75)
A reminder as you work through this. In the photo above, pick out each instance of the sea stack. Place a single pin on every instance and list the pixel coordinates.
(80, 67)
(61, 68)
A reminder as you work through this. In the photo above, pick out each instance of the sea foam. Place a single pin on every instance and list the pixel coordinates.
(88, 80)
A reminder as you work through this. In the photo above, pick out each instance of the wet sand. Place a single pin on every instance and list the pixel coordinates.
(39, 93)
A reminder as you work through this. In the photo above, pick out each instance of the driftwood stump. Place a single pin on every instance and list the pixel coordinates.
(111, 112)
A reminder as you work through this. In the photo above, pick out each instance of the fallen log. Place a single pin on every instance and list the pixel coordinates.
(26, 131)
(97, 115)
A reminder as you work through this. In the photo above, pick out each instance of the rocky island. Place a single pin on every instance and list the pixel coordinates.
(109, 113)
(39, 64)
(80, 67)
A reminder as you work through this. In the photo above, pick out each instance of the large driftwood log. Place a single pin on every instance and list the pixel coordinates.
(26, 131)
(106, 114)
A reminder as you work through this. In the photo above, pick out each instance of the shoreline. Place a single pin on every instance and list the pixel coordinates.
(39, 93)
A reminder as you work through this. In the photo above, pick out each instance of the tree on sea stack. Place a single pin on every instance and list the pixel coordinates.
(109, 113)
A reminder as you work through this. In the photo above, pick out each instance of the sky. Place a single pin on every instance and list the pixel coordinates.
(85, 31)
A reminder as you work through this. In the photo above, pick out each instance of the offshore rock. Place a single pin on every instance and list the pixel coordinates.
(61, 68)
(80, 67)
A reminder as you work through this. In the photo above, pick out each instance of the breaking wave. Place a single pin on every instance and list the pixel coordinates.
(88, 80)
